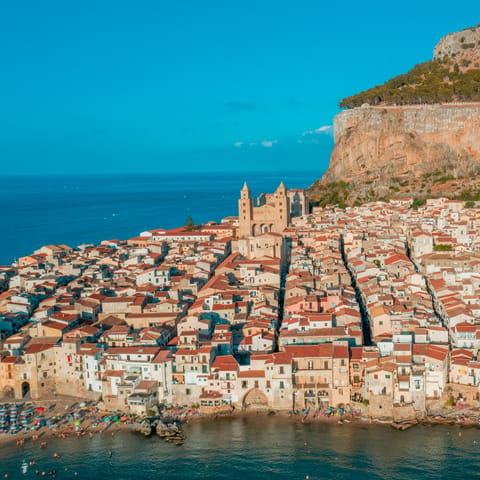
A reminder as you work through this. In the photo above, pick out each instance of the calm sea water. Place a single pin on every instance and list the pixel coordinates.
(36, 211)
(263, 448)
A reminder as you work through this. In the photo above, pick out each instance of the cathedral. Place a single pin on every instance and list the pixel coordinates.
(273, 210)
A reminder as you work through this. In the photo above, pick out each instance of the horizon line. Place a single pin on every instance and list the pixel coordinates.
(170, 172)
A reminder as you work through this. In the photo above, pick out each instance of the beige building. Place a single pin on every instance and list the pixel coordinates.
(273, 210)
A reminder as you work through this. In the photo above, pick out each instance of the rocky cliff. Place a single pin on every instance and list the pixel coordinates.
(460, 45)
(383, 150)
(378, 143)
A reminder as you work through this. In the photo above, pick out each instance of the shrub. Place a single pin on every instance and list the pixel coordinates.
(417, 202)
(442, 248)
(444, 179)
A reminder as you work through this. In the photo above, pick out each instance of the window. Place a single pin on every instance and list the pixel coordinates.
(325, 365)
(282, 371)
(282, 384)
(310, 365)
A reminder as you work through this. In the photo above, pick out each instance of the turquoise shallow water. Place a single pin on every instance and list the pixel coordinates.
(260, 448)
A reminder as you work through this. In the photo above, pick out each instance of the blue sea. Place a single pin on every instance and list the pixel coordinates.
(258, 449)
(73, 210)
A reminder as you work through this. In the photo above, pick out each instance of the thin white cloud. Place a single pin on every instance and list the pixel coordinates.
(325, 130)
(263, 143)
(309, 137)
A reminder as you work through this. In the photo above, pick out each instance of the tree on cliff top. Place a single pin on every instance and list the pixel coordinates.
(430, 82)
(189, 224)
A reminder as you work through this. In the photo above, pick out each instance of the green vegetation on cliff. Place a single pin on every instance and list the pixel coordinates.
(335, 193)
(430, 82)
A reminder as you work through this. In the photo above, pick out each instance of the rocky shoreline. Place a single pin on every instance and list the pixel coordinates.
(168, 428)
(89, 420)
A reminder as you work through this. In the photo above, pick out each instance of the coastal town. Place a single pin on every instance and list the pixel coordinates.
(284, 307)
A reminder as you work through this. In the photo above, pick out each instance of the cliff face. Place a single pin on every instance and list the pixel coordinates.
(418, 134)
(378, 143)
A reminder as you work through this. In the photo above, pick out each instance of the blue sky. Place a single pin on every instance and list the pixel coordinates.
(120, 86)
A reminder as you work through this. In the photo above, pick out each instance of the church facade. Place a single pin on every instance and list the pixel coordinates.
(272, 212)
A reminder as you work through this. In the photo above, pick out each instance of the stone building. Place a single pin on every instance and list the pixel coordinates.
(272, 212)
(261, 227)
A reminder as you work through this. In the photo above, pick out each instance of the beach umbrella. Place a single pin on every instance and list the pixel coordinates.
(123, 418)
(115, 418)
(40, 410)
(77, 423)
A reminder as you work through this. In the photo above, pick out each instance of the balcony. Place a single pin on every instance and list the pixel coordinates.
(311, 385)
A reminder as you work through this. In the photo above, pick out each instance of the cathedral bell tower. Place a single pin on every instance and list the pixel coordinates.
(282, 212)
(245, 212)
